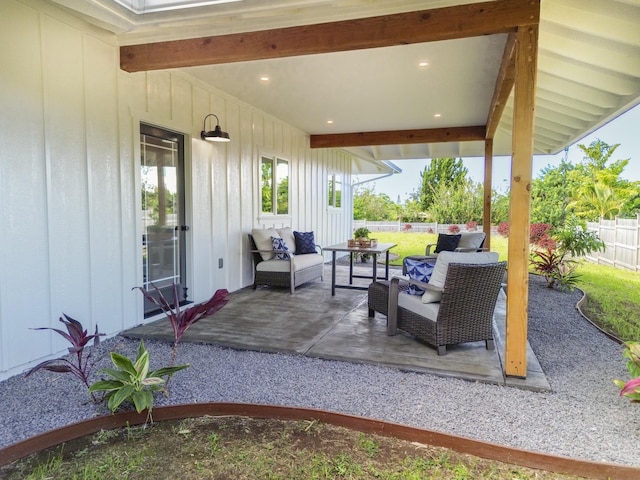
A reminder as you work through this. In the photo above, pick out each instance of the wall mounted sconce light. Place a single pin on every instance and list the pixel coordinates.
(216, 135)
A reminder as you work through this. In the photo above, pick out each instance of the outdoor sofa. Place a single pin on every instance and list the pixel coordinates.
(285, 258)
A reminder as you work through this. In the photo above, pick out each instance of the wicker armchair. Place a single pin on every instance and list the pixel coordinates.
(464, 313)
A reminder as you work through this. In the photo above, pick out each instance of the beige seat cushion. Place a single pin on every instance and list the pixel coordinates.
(300, 262)
(414, 304)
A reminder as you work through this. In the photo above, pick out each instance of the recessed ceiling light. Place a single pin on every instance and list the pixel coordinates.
(437, 115)
(423, 64)
(329, 122)
(264, 78)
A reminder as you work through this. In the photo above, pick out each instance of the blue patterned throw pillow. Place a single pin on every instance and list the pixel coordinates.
(278, 244)
(418, 270)
(305, 243)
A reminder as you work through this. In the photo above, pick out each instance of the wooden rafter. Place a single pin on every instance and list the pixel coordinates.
(398, 137)
(463, 21)
(504, 85)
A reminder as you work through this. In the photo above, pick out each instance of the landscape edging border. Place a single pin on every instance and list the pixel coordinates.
(523, 458)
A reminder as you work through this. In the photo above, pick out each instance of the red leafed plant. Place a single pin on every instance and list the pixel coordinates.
(79, 338)
(454, 229)
(539, 232)
(503, 229)
(472, 226)
(181, 320)
(631, 388)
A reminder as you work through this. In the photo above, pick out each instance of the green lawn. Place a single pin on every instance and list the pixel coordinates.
(613, 295)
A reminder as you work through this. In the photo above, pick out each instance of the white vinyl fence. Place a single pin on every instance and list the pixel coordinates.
(622, 239)
(410, 226)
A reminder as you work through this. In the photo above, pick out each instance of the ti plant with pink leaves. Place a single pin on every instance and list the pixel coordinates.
(181, 320)
(631, 388)
(79, 337)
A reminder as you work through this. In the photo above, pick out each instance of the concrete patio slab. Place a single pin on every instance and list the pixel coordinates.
(312, 322)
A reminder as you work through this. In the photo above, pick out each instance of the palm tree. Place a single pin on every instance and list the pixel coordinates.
(596, 200)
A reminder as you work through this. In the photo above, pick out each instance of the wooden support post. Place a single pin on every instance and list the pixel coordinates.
(488, 174)
(519, 223)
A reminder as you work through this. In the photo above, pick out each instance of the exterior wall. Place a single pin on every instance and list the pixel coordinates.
(69, 176)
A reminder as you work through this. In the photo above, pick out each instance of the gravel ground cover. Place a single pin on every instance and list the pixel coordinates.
(583, 417)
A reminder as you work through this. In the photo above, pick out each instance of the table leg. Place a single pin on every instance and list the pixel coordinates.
(375, 266)
(386, 266)
(333, 273)
(350, 268)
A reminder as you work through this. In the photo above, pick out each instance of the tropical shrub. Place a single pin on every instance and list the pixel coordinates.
(132, 381)
(553, 257)
(181, 320)
(554, 267)
(576, 240)
(503, 229)
(631, 388)
(79, 338)
(538, 232)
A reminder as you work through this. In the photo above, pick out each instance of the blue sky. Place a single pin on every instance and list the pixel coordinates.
(624, 130)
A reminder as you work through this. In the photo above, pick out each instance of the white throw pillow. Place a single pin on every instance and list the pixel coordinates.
(262, 238)
(471, 239)
(287, 235)
(439, 274)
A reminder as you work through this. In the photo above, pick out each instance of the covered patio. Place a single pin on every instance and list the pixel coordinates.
(313, 323)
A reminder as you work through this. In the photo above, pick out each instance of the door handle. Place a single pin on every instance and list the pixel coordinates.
(184, 228)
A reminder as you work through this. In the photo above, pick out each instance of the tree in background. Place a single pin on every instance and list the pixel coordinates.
(448, 171)
(499, 207)
(367, 205)
(601, 193)
(460, 203)
(551, 193)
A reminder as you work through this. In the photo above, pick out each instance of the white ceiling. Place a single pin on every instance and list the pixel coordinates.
(588, 70)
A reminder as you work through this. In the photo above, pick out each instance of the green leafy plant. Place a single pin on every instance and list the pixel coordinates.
(576, 240)
(181, 320)
(631, 388)
(362, 232)
(78, 336)
(132, 381)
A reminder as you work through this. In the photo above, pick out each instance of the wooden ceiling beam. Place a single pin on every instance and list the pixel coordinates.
(399, 137)
(504, 85)
(462, 21)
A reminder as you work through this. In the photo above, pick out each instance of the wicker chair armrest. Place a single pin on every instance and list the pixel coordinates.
(392, 305)
(423, 285)
(420, 284)
(286, 252)
(428, 250)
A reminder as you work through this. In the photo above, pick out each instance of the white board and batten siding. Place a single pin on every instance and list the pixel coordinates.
(69, 181)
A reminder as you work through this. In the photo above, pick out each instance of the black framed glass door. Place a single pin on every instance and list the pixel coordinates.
(163, 213)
